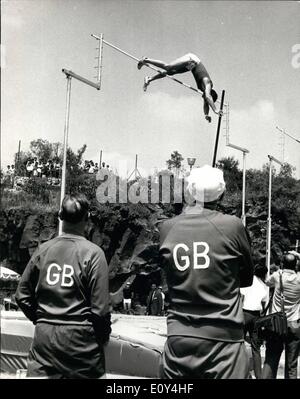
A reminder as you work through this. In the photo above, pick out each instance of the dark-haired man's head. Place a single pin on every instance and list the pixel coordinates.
(260, 271)
(74, 213)
(289, 261)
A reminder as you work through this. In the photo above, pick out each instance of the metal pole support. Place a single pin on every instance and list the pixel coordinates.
(66, 133)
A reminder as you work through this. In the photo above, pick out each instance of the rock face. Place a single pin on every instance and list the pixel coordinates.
(128, 235)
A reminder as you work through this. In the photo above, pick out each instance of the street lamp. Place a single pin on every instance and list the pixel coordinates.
(191, 162)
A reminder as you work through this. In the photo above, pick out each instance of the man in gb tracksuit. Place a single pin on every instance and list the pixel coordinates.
(206, 257)
(64, 292)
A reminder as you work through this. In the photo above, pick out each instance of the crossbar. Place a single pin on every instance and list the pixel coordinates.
(82, 79)
(149, 66)
(287, 134)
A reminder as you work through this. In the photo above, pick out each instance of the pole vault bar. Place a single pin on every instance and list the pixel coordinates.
(289, 135)
(148, 66)
(82, 79)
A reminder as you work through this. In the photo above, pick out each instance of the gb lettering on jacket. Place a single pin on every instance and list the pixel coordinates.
(62, 275)
(200, 251)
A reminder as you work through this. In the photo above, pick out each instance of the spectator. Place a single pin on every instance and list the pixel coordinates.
(96, 169)
(91, 168)
(290, 343)
(207, 259)
(154, 302)
(127, 297)
(39, 169)
(35, 169)
(57, 168)
(64, 291)
(8, 176)
(163, 299)
(255, 299)
(29, 167)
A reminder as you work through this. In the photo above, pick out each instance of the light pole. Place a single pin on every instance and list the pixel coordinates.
(191, 162)
(269, 230)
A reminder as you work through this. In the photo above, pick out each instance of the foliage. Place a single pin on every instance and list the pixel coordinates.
(175, 162)
(20, 160)
(44, 150)
(41, 190)
(74, 160)
(232, 175)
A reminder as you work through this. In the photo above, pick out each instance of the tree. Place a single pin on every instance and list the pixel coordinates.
(175, 162)
(20, 160)
(286, 170)
(74, 160)
(42, 149)
(232, 175)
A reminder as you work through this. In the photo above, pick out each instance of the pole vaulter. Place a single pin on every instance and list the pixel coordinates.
(188, 62)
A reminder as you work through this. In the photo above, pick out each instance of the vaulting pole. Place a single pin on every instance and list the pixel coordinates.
(218, 130)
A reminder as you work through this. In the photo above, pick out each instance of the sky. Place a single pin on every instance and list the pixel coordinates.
(247, 47)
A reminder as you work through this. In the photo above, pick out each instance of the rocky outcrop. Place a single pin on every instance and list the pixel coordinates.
(128, 235)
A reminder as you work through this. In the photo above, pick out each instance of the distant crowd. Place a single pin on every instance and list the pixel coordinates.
(50, 169)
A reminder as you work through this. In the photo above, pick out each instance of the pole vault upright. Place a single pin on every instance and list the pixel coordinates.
(69, 76)
(269, 229)
(245, 152)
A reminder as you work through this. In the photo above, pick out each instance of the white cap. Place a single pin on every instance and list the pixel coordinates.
(206, 184)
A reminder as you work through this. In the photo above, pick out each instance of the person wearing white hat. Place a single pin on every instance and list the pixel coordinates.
(206, 259)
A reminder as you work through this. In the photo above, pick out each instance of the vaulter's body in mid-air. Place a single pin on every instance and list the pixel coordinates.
(188, 62)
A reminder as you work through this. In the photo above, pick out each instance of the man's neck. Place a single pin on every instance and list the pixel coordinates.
(77, 229)
(199, 207)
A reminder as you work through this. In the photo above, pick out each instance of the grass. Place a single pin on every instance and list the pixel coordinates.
(12, 199)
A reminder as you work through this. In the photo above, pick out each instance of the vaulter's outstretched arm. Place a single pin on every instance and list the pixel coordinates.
(208, 99)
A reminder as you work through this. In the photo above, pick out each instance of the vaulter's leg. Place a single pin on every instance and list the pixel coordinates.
(150, 61)
(149, 79)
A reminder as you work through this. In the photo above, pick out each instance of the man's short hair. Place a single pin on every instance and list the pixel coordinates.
(260, 271)
(74, 208)
(289, 261)
(214, 95)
